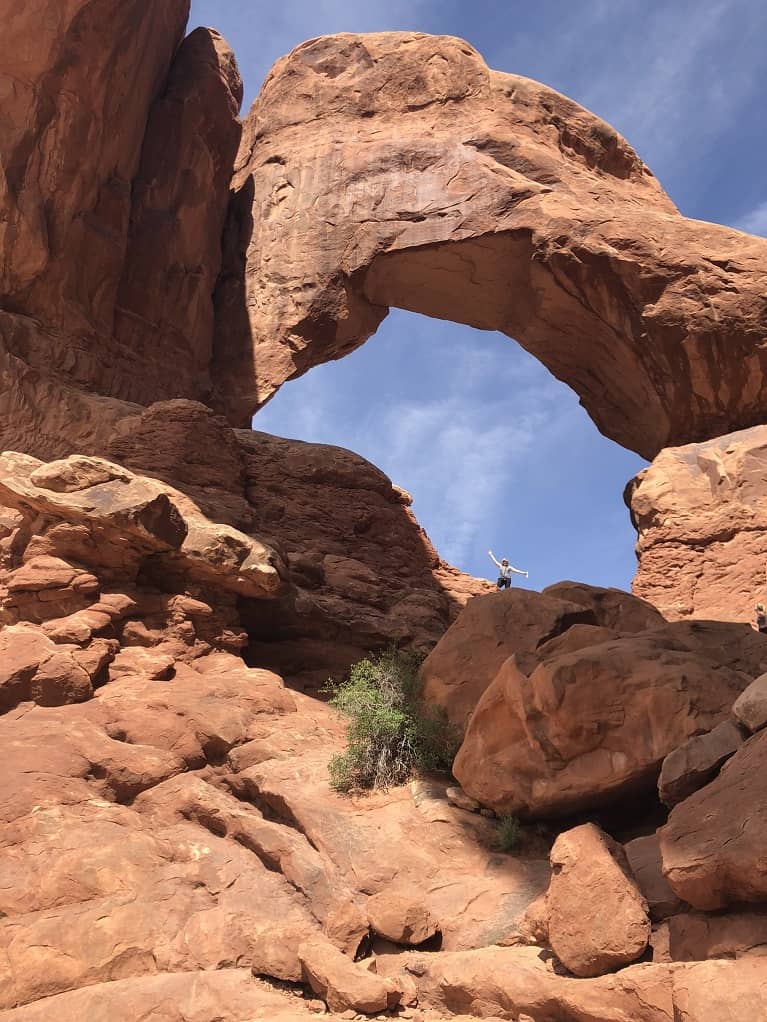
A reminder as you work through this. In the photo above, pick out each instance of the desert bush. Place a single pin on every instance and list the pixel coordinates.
(392, 732)
(508, 834)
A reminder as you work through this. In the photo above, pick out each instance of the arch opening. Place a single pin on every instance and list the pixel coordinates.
(494, 450)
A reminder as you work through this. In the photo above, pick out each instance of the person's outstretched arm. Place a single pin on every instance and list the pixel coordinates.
(492, 558)
(518, 571)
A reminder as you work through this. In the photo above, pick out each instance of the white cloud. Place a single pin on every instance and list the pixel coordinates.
(755, 221)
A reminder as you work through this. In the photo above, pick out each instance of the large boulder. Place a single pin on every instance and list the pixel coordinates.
(612, 608)
(700, 515)
(460, 190)
(589, 726)
(490, 630)
(598, 920)
(401, 917)
(713, 844)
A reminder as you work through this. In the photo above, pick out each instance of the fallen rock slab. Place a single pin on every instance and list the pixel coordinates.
(598, 920)
(513, 981)
(699, 936)
(695, 763)
(644, 859)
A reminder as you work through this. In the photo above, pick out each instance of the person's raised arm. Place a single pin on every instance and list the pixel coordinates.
(492, 558)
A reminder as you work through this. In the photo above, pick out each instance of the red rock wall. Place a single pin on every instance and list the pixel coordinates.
(700, 515)
(116, 160)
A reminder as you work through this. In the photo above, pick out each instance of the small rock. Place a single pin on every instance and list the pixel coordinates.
(458, 797)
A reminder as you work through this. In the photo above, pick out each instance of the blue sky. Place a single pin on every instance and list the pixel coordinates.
(495, 451)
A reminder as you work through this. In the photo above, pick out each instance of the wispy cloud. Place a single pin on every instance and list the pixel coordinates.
(459, 448)
(755, 221)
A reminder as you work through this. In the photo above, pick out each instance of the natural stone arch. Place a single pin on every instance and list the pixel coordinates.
(398, 170)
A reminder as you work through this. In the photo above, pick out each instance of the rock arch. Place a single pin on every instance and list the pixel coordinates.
(398, 170)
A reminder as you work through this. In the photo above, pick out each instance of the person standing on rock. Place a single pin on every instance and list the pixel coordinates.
(504, 572)
(761, 619)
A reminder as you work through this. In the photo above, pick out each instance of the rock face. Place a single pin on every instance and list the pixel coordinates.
(365, 573)
(116, 162)
(699, 511)
(164, 313)
(426, 181)
(597, 918)
(588, 726)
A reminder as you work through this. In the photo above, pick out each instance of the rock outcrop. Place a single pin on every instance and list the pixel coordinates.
(116, 159)
(364, 572)
(699, 511)
(398, 170)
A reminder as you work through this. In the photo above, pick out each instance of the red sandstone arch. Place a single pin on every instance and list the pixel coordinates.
(398, 170)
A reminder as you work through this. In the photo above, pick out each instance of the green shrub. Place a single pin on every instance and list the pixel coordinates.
(391, 732)
(509, 833)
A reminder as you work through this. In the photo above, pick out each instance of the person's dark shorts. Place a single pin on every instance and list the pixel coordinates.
(504, 583)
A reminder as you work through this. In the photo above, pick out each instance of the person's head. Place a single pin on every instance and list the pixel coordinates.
(504, 561)
(760, 608)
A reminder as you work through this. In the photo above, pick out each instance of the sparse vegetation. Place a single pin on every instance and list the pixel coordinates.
(509, 833)
(392, 732)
